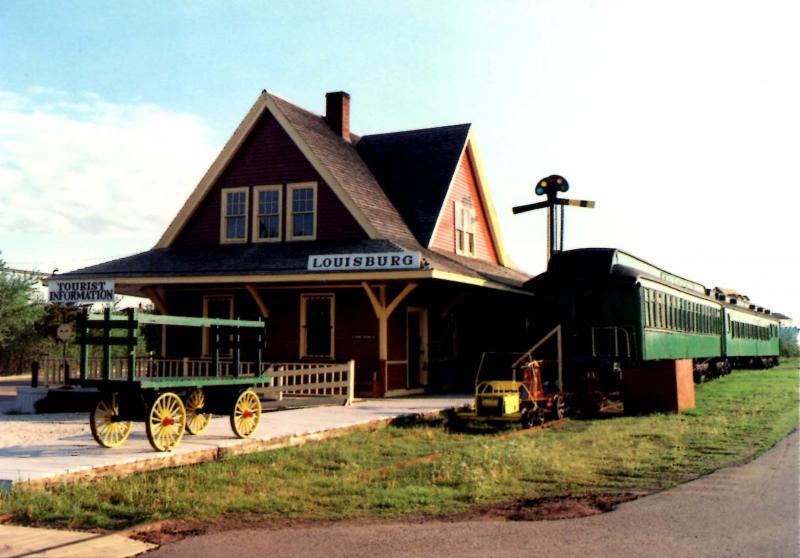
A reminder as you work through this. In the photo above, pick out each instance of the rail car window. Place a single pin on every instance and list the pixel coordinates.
(668, 303)
(653, 308)
(667, 312)
(676, 313)
(684, 324)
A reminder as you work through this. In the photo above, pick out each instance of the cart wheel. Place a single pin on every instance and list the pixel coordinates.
(246, 414)
(107, 429)
(196, 422)
(559, 408)
(166, 422)
(526, 420)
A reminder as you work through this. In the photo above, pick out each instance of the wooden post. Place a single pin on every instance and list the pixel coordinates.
(132, 329)
(82, 333)
(258, 300)
(351, 381)
(259, 354)
(106, 344)
(215, 349)
(237, 353)
(34, 374)
(383, 312)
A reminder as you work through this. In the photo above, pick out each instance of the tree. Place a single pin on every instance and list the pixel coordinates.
(20, 310)
(788, 341)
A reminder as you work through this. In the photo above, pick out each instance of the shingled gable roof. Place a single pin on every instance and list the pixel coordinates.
(343, 169)
(335, 159)
(415, 169)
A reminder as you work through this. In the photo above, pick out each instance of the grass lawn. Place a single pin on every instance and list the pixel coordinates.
(426, 469)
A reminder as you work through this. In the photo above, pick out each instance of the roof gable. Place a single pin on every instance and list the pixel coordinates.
(415, 169)
(333, 158)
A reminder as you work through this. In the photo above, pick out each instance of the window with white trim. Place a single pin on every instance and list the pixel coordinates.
(267, 213)
(316, 325)
(302, 211)
(234, 215)
(465, 228)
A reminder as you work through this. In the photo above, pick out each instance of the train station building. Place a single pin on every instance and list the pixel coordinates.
(384, 249)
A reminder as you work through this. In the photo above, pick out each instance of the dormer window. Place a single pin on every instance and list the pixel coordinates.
(465, 228)
(302, 211)
(234, 215)
(267, 213)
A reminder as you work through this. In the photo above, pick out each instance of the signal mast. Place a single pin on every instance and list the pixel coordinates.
(551, 186)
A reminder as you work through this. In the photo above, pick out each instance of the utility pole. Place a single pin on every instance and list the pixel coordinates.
(551, 186)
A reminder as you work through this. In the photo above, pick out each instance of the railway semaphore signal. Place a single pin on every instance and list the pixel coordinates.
(550, 187)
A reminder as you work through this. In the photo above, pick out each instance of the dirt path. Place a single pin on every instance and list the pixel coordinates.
(751, 510)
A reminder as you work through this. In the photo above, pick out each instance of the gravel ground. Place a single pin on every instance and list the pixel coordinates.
(17, 429)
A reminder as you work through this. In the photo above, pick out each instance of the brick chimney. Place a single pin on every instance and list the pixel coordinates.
(337, 113)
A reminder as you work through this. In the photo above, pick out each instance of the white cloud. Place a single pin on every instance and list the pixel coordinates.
(72, 162)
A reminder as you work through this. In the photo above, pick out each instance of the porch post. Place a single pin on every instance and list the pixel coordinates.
(383, 312)
(258, 300)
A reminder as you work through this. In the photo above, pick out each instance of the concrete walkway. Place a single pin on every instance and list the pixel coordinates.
(80, 456)
(16, 542)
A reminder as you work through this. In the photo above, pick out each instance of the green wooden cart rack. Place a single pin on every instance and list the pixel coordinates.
(169, 400)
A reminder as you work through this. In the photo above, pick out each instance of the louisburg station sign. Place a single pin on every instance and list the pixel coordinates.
(364, 262)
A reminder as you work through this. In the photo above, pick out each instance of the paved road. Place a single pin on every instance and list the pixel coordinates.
(745, 511)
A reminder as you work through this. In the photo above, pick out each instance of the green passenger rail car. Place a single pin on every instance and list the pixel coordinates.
(750, 338)
(619, 311)
(678, 323)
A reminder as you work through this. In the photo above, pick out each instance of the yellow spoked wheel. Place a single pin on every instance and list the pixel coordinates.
(196, 420)
(246, 414)
(107, 429)
(166, 422)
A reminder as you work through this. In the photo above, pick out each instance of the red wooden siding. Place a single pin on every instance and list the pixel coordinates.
(268, 156)
(464, 187)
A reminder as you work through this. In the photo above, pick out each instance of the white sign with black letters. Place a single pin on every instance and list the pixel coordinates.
(80, 292)
(364, 262)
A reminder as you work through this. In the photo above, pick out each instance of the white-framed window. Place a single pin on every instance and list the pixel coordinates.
(301, 203)
(233, 217)
(465, 228)
(267, 213)
(317, 325)
(217, 306)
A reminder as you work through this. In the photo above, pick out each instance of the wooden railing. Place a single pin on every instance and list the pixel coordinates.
(280, 379)
(310, 380)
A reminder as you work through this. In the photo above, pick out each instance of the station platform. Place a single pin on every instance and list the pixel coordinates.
(78, 456)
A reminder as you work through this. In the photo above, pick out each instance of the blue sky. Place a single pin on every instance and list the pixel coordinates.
(680, 119)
